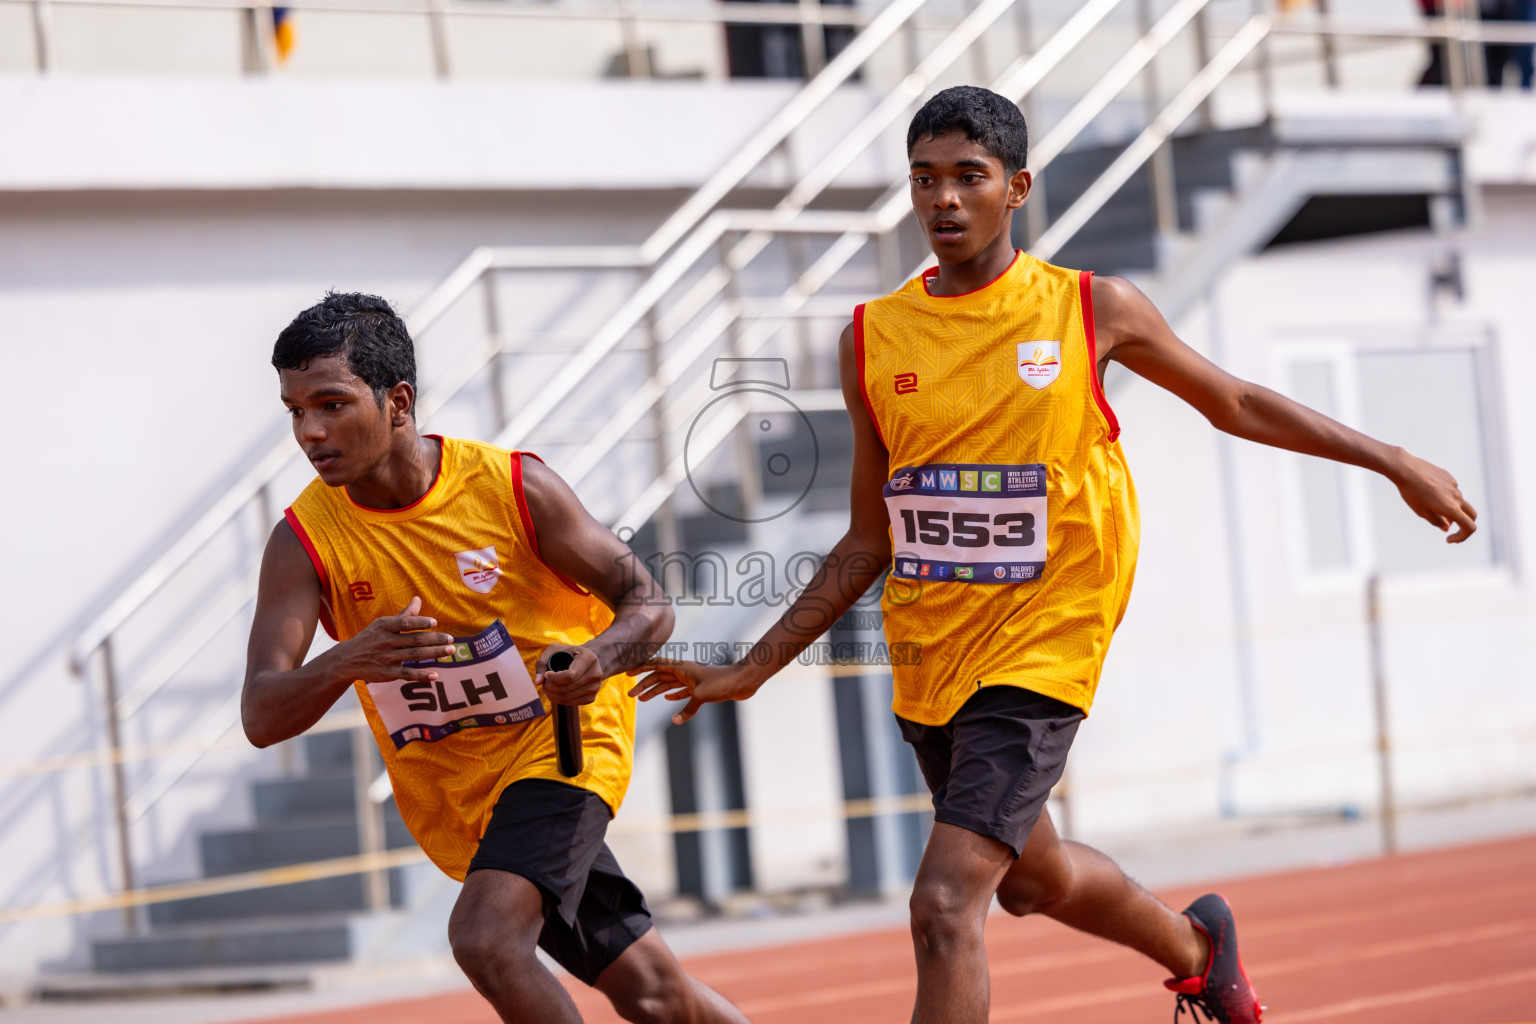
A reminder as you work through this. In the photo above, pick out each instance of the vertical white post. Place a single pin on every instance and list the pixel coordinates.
(1379, 702)
(813, 40)
(635, 53)
(437, 23)
(370, 819)
(1329, 47)
(119, 783)
(499, 412)
(42, 35)
(1165, 203)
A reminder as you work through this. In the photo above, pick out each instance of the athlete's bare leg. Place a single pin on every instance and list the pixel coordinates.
(1070, 882)
(494, 930)
(1080, 887)
(647, 985)
(950, 899)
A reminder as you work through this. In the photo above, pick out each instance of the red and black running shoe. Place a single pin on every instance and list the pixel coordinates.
(1223, 993)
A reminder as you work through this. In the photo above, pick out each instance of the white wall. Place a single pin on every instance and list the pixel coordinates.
(1457, 640)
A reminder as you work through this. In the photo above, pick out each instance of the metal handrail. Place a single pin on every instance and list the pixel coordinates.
(696, 244)
(893, 206)
(469, 273)
(723, 12)
(855, 229)
(1158, 132)
(826, 170)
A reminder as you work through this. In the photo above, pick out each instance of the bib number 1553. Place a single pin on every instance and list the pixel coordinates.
(969, 522)
(940, 527)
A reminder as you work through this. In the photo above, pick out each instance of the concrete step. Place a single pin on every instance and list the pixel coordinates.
(84, 988)
(1120, 237)
(224, 946)
(318, 896)
(329, 753)
(275, 845)
(318, 795)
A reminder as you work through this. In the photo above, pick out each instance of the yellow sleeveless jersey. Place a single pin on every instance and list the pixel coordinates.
(469, 550)
(1014, 525)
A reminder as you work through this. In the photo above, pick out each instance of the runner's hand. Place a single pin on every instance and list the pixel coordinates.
(1433, 495)
(578, 684)
(697, 684)
(376, 653)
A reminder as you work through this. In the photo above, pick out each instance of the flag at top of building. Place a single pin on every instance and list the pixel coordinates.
(282, 31)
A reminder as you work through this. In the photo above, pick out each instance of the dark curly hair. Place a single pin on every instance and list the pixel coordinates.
(984, 117)
(363, 328)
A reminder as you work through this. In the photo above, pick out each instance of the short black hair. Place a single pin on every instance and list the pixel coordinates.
(983, 116)
(363, 328)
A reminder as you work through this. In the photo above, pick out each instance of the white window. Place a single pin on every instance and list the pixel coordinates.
(1438, 398)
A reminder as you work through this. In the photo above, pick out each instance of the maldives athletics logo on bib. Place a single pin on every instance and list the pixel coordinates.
(1039, 362)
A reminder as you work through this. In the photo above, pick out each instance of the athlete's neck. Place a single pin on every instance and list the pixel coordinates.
(977, 272)
(402, 477)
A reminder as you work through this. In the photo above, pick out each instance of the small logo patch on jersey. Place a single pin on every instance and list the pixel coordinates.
(361, 590)
(1039, 362)
(906, 383)
(480, 569)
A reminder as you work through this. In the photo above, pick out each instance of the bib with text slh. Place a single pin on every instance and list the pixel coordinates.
(968, 523)
(483, 683)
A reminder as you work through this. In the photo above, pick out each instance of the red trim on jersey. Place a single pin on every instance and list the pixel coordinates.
(933, 272)
(527, 518)
(1085, 291)
(858, 358)
(314, 559)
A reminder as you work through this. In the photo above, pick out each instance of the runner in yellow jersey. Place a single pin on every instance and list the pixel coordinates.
(493, 566)
(988, 480)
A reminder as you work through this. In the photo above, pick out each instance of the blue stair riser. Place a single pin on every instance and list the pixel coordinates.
(341, 895)
(182, 952)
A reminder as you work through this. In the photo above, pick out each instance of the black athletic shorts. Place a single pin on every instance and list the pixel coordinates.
(991, 767)
(552, 834)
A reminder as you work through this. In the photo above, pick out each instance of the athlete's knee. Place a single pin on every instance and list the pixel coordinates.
(485, 952)
(653, 996)
(944, 918)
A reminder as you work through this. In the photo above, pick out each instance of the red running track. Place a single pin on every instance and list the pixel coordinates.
(1444, 937)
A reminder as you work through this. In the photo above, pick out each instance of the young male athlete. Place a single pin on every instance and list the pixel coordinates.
(987, 478)
(496, 566)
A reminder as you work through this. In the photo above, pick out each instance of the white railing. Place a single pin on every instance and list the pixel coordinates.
(634, 25)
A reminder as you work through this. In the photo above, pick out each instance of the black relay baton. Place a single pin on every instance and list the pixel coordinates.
(567, 723)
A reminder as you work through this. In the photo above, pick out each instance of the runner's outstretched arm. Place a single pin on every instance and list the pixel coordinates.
(854, 563)
(1130, 330)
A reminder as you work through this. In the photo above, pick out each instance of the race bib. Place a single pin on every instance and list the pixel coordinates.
(968, 523)
(483, 683)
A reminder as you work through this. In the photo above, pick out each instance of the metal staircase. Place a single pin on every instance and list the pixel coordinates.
(619, 414)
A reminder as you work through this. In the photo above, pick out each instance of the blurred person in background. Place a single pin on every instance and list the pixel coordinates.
(495, 566)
